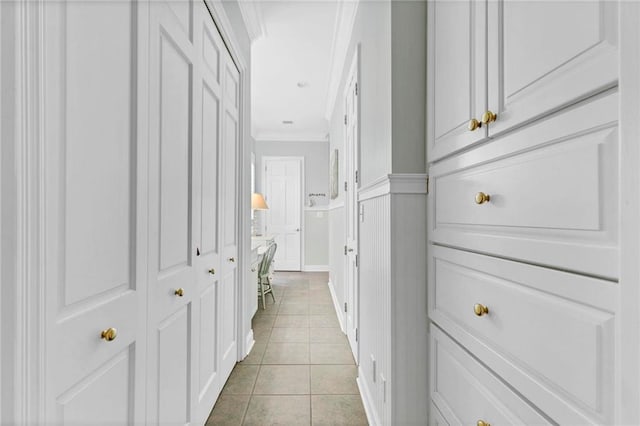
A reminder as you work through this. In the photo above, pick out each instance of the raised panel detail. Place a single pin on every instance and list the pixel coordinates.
(228, 314)
(209, 159)
(182, 11)
(97, 108)
(229, 190)
(211, 53)
(175, 163)
(231, 89)
(173, 368)
(104, 395)
(208, 333)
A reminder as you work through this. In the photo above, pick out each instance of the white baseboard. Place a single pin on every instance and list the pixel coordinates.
(367, 401)
(249, 342)
(336, 306)
(315, 268)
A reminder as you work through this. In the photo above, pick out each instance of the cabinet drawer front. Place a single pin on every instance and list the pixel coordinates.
(553, 194)
(542, 330)
(466, 392)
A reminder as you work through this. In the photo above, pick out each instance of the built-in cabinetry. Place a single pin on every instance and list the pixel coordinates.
(140, 216)
(524, 253)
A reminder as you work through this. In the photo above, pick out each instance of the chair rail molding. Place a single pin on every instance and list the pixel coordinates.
(397, 183)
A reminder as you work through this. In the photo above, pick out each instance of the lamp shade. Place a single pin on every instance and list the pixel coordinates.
(257, 202)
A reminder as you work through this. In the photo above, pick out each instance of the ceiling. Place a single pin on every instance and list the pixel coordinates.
(294, 47)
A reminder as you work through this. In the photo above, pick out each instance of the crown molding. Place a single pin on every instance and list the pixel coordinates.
(342, 30)
(251, 12)
(279, 137)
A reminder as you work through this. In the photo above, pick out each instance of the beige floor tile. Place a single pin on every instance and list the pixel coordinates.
(327, 335)
(260, 321)
(286, 353)
(261, 335)
(242, 379)
(289, 335)
(337, 410)
(256, 354)
(295, 300)
(324, 309)
(327, 320)
(278, 410)
(283, 380)
(229, 410)
(320, 300)
(296, 321)
(333, 379)
(329, 353)
(294, 309)
(270, 308)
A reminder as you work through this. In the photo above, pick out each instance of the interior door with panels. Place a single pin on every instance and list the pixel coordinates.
(207, 133)
(94, 222)
(457, 77)
(172, 284)
(543, 56)
(229, 186)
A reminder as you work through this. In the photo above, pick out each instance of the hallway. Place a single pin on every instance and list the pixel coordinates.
(301, 370)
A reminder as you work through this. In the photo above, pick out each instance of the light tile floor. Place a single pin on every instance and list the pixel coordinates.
(301, 370)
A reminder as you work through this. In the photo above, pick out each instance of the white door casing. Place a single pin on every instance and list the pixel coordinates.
(352, 216)
(283, 192)
(93, 212)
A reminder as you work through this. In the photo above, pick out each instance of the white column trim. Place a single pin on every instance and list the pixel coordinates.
(398, 183)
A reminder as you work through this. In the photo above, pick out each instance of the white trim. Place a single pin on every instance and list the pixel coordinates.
(336, 205)
(249, 342)
(251, 12)
(398, 183)
(322, 208)
(367, 400)
(315, 268)
(282, 137)
(336, 306)
(342, 31)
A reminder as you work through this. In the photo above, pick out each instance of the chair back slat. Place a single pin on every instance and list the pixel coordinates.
(267, 259)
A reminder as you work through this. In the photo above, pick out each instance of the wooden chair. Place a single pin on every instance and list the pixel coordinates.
(264, 281)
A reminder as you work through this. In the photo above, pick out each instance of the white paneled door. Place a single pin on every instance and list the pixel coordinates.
(94, 216)
(352, 219)
(283, 192)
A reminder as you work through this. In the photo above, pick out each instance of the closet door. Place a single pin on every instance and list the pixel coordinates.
(207, 131)
(93, 218)
(543, 56)
(227, 307)
(457, 61)
(172, 284)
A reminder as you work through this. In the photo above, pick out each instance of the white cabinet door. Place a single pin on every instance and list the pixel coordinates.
(543, 56)
(229, 186)
(172, 288)
(207, 134)
(93, 217)
(457, 77)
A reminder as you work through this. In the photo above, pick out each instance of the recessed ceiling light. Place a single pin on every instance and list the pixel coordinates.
(302, 84)
(287, 122)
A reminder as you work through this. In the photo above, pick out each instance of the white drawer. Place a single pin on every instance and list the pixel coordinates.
(549, 333)
(465, 392)
(553, 190)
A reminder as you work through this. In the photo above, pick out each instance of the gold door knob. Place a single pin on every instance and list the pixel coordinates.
(482, 198)
(489, 117)
(179, 292)
(109, 334)
(232, 259)
(480, 309)
(473, 125)
(212, 271)
(482, 423)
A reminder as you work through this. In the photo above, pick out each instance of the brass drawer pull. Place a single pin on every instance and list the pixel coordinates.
(480, 309)
(212, 271)
(474, 124)
(179, 292)
(489, 117)
(482, 423)
(109, 334)
(482, 198)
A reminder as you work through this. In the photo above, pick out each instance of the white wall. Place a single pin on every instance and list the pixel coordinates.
(316, 181)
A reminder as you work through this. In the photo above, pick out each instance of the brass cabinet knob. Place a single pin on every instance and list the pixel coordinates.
(179, 292)
(109, 334)
(473, 125)
(232, 259)
(489, 117)
(482, 198)
(480, 310)
(482, 423)
(212, 271)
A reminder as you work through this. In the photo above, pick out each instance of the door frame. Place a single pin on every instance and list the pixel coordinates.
(22, 394)
(263, 184)
(354, 74)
